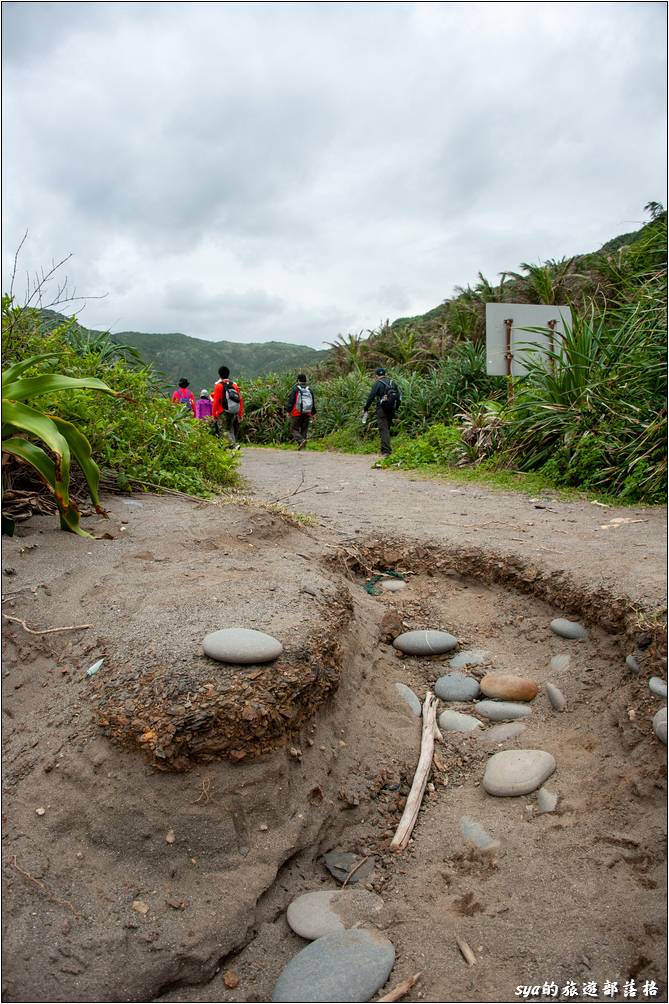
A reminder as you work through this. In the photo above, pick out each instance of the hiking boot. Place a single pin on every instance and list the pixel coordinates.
(302, 444)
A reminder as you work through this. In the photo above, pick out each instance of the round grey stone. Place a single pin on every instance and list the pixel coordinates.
(316, 914)
(517, 772)
(425, 642)
(568, 629)
(241, 646)
(344, 966)
(556, 697)
(559, 663)
(392, 585)
(547, 800)
(503, 711)
(501, 733)
(660, 725)
(632, 664)
(408, 696)
(657, 686)
(454, 721)
(477, 835)
(457, 687)
(473, 657)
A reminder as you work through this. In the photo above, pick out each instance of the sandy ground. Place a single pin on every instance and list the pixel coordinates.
(138, 884)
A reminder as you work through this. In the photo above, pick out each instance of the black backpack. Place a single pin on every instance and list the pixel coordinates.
(391, 398)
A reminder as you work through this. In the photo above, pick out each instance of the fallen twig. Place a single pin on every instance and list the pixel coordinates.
(354, 870)
(44, 889)
(466, 952)
(70, 627)
(413, 803)
(401, 989)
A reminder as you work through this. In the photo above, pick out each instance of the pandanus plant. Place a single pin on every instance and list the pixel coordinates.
(46, 442)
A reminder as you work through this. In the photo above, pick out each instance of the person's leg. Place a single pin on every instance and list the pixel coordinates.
(296, 430)
(304, 429)
(230, 427)
(384, 430)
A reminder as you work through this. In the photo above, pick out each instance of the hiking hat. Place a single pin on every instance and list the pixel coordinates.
(204, 392)
(380, 371)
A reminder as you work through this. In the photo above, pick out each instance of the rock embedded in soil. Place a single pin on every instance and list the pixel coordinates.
(392, 585)
(547, 800)
(344, 966)
(568, 629)
(408, 696)
(425, 642)
(241, 646)
(556, 697)
(660, 725)
(476, 834)
(473, 657)
(501, 733)
(454, 721)
(517, 772)
(657, 686)
(560, 662)
(316, 914)
(341, 863)
(456, 687)
(507, 687)
(632, 664)
(503, 711)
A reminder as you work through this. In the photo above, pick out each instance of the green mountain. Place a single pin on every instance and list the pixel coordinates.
(175, 355)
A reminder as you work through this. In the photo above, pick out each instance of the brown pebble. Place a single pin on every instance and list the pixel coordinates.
(508, 687)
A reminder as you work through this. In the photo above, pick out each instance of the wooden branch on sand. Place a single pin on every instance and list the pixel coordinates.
(401, 989)
(70, 627)
(413, 803)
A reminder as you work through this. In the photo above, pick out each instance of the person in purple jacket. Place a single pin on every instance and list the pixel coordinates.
(203, 405)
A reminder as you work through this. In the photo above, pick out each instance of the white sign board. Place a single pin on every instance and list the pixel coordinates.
(522, 316)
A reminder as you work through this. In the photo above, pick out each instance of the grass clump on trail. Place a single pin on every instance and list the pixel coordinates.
(137, 437)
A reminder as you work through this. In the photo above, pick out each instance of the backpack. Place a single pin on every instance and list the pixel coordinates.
(184, 397)
(304, 400)
(231, 399)
(391, 399)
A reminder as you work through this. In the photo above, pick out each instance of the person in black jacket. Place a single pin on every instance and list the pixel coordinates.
(386, 395)
(301, 406)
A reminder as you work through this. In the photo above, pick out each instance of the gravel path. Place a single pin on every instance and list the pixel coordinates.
(349, 496)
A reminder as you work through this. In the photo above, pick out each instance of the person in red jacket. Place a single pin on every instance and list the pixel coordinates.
(184, 396)
(228, 406)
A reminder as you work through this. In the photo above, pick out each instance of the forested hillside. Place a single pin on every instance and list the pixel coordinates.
(176, 355)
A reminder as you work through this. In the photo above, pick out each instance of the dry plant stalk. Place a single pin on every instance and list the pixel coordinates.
(70, 627)
(415, 798)
(401, 989)
(354, 870)
(44, 889)
(465, 951)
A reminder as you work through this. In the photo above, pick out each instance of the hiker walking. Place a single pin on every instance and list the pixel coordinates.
(301, 406)
(203, 405)
(387, 396)
(227, 407)
(184, 396)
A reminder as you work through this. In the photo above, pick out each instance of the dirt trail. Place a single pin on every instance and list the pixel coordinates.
(349, 496)
(133, 883)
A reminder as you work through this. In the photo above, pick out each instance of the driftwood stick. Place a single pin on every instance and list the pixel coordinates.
(413, 803)
(465, 951)
(401, 989)
(70, 627)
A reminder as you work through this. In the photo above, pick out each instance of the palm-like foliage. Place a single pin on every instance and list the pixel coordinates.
(60, 440)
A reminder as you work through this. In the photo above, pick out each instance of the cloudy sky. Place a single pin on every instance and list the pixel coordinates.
(293, 171)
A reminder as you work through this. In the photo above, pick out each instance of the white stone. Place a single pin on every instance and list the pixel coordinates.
(556, 697)
(408, 696)
(517, 772)
(568, 629)
(425, 642)
(318, 913)
(344, 966)
(392, 585)
(476, 834)
(660, 725)
(473, 657)
(547, 800)
(559, 663)
(657, 686)
(503, 711)
(501, 733)
(454, 721)
(241, 646)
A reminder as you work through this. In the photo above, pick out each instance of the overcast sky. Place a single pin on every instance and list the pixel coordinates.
(252, 171)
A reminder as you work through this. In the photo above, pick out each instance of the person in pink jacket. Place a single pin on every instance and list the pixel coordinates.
(183, 395)
(203, 405)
